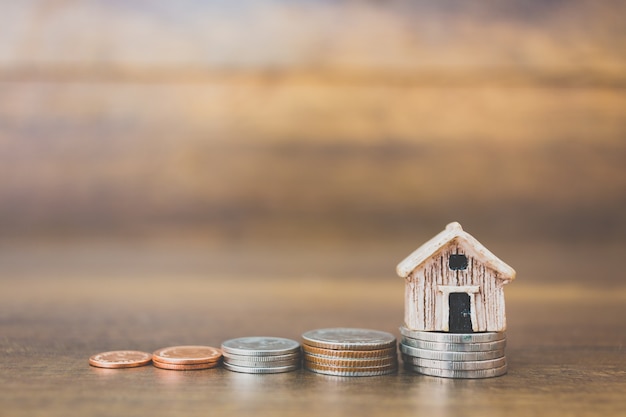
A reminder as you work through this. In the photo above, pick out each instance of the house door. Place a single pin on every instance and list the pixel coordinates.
(460, 318)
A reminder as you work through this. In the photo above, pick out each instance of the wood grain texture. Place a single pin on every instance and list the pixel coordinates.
(131, 117)
(59, 305)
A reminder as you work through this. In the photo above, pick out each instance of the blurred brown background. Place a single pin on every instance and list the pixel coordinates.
(185, 172)
(309, 123)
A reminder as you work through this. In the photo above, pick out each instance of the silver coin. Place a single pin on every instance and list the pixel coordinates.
(455, 347)
(271, 358)
(454, 365)
(442, 337)
(354, 373)
(254, 370)
(260, 346)
(265, 364)
(349, 339)
(447, 373)
(442, 355)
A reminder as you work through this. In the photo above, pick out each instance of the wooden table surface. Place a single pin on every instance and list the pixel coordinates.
(59, 306)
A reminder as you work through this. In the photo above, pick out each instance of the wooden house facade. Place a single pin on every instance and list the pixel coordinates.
(454, 284)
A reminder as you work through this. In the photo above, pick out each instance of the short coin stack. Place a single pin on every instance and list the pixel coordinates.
(350, 352)
(261, 355)
(186, 358)
(454, 355)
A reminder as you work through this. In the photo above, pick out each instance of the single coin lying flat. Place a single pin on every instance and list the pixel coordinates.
(260, 346)
(120, 359)
(349, 339)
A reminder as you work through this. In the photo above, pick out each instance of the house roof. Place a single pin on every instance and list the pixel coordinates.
(454, 231)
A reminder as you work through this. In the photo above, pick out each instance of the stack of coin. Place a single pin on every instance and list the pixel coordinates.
(454, 355)
(185, 358)
(350, 352)
(261, 355)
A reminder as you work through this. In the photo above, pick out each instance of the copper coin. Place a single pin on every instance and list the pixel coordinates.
(347, 372)
(352, 363)
(120, 359)
(350, 373)
(318, 367)
(183, 355)
(349, 353)
(184, 367)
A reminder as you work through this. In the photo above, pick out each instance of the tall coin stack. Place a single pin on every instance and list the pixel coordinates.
(350, 352)
(454, 355)
(261, 355)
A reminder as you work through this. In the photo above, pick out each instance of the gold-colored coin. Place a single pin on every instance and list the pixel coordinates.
(120, 359)
(185, 355)
(185, 367)
(318, 367)
(350, 373)
(377, 353)
(352, 363)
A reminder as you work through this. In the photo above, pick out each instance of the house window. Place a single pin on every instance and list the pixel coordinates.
(457, 262)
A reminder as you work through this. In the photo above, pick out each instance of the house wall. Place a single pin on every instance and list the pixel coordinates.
(426, 295)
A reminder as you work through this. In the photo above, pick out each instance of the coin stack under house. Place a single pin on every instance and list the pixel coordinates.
(186, 358)
(454, 355)
(261, 355)
(350, 352)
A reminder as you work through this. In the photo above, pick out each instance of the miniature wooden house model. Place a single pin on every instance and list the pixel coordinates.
(454, 284)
